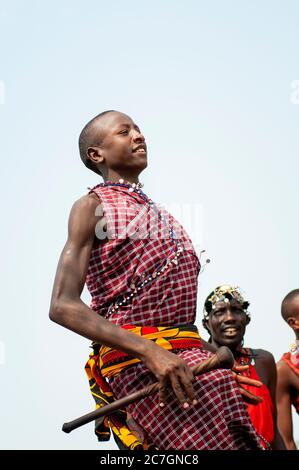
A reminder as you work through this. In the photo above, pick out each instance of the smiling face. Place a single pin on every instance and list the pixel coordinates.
(121, 148)
(227, 324)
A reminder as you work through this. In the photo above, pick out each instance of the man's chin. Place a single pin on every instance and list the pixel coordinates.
(141, 165)
(231, 343)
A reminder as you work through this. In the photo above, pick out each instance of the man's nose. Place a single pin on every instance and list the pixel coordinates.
(229, 316)
(138, 137)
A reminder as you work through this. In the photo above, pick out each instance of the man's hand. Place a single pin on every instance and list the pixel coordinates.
(248, 397)
(170, 369)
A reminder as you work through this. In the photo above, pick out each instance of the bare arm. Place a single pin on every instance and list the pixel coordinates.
(208, 346)
(68, 310)
(284, 405)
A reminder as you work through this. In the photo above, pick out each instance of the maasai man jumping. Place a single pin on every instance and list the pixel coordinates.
(226, 318)
(141, 270)
(288, 372)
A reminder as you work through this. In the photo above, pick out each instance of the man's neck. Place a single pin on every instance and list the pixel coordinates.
(115, 176)
(235, 349)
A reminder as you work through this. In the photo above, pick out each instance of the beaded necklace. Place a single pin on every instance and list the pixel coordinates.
(245, 357)
(168, 261)
(294, 353)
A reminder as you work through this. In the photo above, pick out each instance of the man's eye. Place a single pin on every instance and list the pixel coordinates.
(237, 311)
(125, 131)
(218, 314)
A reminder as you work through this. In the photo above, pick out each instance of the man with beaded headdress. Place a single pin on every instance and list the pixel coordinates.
(225, 318)
(142, 313)
(288, 372)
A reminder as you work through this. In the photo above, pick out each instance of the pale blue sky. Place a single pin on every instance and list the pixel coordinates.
(209, 83)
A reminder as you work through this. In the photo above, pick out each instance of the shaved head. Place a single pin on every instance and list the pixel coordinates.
(89, 138)
(112, 145)
(290, 305)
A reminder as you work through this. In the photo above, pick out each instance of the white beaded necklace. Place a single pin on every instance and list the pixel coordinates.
(133, 186)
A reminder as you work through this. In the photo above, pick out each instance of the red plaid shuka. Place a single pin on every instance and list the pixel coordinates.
(219, 420)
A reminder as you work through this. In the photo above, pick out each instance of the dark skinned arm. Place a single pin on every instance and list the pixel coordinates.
(208, 346)
(68, 310)
(284, 405)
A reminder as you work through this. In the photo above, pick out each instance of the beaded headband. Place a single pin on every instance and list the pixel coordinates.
(224, 294)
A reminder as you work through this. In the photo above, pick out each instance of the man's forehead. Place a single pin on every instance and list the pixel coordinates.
(230, 303)
(293, 304)
(113, 119)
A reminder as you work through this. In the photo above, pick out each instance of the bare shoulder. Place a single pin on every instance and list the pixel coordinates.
(284, 373)
(88, 202)
(266, 365)
(83, 217)
(281, 365)
(265, 356)
(85, 206)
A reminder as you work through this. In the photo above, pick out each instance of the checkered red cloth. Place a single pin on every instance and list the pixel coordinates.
(220, 420)
(115, 266)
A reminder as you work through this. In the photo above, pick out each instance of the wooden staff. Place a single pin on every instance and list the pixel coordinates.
(222, 359)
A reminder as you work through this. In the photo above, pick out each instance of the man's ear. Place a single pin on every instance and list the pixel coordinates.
(293, 323)
(248, 319)
(94, 155)
(205, 324)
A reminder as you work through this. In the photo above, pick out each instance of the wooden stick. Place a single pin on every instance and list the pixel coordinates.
(222, 359)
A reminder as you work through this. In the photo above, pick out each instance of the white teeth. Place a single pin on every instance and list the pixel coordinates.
(140, 150)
